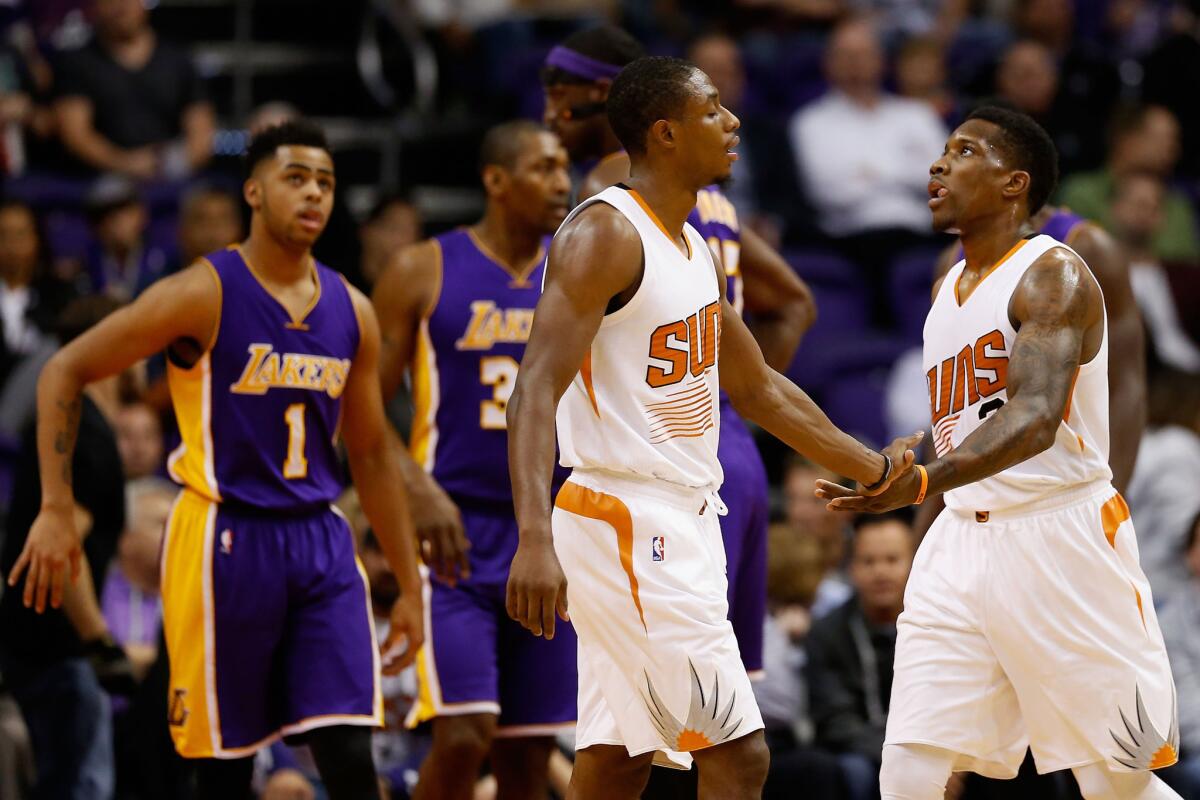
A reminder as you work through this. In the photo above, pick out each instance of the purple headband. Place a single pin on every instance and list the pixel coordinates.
(575, 63)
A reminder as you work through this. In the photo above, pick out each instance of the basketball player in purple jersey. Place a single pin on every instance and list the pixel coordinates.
(577, 75)
(272, 357)
(1126, 345)
(455, 312)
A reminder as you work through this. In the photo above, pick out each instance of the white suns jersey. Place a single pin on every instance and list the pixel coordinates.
(966, 365)
(645, 401)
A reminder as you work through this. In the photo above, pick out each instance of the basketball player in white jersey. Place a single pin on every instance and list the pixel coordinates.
(629, 332)
(1027, 619)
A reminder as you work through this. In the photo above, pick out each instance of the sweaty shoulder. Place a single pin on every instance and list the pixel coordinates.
(599, 245)
(411, 280)
(1057, 287)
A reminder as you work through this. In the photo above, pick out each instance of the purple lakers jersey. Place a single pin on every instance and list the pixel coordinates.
(716, 220)
(465, 367)
(259, 412)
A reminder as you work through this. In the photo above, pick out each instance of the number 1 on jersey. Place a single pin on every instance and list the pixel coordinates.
(296, 465)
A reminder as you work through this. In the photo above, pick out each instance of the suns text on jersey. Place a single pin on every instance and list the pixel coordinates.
(977, 371)
(267, 369)
(490, 324)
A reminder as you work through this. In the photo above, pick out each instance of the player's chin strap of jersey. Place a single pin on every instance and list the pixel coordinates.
(585, 67)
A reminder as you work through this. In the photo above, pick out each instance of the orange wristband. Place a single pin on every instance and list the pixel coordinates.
(924, 484)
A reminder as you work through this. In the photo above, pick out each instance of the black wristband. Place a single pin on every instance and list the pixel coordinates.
(887, 473)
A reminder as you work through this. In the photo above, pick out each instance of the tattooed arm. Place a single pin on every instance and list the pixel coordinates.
(181, 308)
(1058, 313)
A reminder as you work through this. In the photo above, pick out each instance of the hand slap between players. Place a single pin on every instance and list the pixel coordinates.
(537, 588)
(901, 488)
(53, 543)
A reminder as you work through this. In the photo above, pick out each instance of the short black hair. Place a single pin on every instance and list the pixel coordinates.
(606, 43)
(1027, 147)
(647, 90)
(502, 143)
(300, 132)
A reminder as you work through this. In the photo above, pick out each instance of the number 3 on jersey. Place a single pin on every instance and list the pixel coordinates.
(500, 373)
(296, 465)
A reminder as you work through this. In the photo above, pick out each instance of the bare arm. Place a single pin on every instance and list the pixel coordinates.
(405, 294)
(374, 454)
(1056, 304)
(79, 134)
(199, 127)
(595, 258)
(182, 306)
(781, 305)
(1126, 348)
(762, 395)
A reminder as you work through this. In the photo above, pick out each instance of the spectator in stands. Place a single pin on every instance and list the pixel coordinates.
(1180, 623)
(718, 55)
(808, 518)
(1137, 214)
(921, 75)
(850, 651)
(1172, 79)
(863, 154)
(1087, 86)
(31, 299)
(1144, 139)
(209, 220)
(1028, 78)
(129, 103)
(120, 263)
(56, 663)
(1162, 492)
(392, 224)
(793, 574)
(139, 441)
(130, 600)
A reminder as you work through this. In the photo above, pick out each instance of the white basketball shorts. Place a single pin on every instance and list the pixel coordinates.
(1034, 627)
(659, 667)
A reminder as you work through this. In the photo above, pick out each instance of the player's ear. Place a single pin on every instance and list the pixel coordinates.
(252, 192)
(663, 132)
(1018, 184)
(495, 179)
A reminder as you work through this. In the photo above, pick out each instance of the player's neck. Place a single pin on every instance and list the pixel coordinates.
(274, 260)
(989, 240)
(660, 188)
(514, 244)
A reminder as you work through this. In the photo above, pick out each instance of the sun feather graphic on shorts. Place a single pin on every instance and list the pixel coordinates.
(707, 723)
(1148, 749)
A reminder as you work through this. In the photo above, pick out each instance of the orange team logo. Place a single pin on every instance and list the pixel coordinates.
(707, 723)
(1147, 748)
(688, 346)
(976, 372)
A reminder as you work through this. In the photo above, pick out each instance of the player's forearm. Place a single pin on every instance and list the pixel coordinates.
(790, 415)
(1015, 433)
(59, 406)
(378, 477)
(531, 440)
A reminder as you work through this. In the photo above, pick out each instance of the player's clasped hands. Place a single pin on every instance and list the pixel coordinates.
(900, 489)
(53, 543)
(537, 587)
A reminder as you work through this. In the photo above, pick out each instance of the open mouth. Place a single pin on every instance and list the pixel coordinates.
(729, 150)
(312, 220)
(937, 193)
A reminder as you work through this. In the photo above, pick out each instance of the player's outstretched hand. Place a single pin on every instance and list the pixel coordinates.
(440, 530)
(903, 456)
(407, 630)
(537, 587)
(901, 492)
(53, 543)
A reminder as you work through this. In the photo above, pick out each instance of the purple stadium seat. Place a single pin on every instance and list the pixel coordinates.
(910, 279)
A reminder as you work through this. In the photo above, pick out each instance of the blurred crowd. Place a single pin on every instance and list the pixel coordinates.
(113, 177)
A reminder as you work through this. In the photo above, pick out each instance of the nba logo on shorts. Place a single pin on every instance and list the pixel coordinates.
(658, 548)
